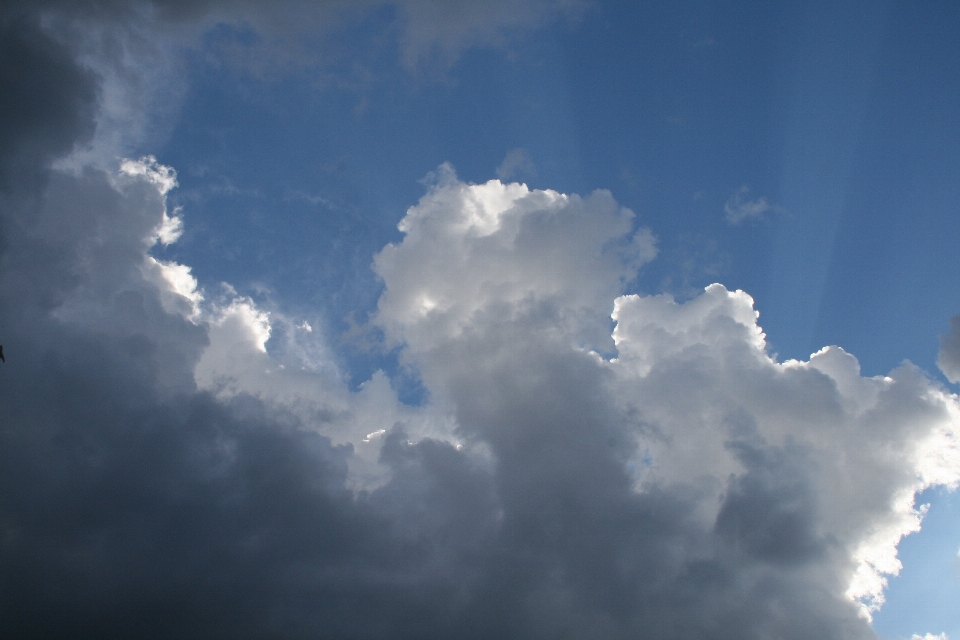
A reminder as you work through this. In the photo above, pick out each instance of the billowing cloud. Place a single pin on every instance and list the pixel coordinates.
(473, 249)
(690, 487)
(693, 410)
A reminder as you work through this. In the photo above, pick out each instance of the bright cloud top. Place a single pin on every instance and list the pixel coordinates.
(471, 248)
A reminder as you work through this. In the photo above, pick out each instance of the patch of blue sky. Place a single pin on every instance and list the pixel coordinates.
(924, 596)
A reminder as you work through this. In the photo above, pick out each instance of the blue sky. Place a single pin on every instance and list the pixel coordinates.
(805, 153)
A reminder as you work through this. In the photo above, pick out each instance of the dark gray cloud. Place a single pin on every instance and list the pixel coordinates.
(47, 101)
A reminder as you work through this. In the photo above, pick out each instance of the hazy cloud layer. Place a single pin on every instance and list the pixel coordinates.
(164, 475)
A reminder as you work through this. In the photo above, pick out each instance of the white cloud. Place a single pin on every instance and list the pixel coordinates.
(299, 379)
(178, 289)
(698, 400)
(699, 379)
(874, 442)
(439, 30)
(165, 178)
(469, 248)
(740, 208)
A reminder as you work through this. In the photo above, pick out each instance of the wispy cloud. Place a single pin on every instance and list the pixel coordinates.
(740, 207)
(517, 164)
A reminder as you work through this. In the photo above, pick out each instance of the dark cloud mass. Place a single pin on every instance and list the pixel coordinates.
(47, 102)
(562, 504)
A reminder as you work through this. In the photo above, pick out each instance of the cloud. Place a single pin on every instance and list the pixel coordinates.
(739, 208)
(693, 411)
(714, 344)
(470, 249)
(589, 463)
(439, 30)
(948, 359)
(516, 164)
(47, 101)
(159, 458)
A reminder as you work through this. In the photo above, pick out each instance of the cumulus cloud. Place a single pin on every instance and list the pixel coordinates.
(472, 248)
(693, 410)
(740, 207)
(859, 500)
(588, 463)
(158, 458)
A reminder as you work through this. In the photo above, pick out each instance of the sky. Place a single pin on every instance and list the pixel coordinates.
(492, 319)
